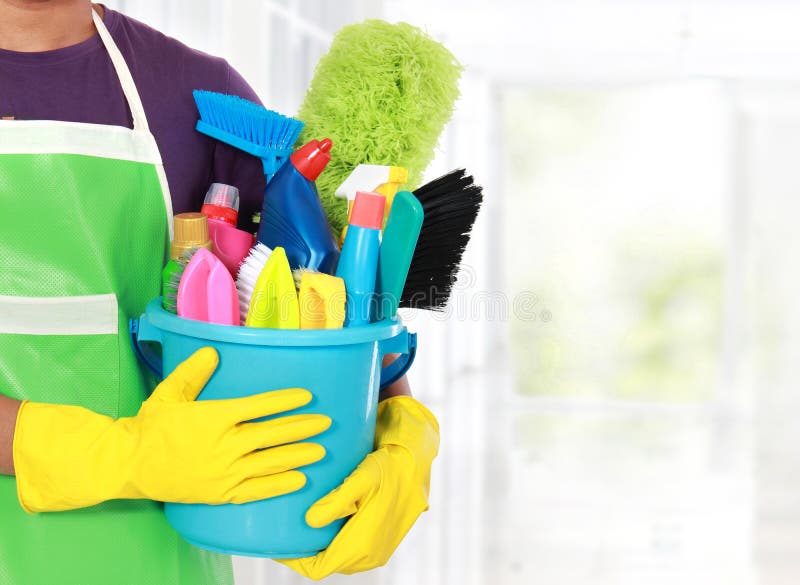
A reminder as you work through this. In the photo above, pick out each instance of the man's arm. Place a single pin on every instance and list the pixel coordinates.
(8, 418)
(399, 388)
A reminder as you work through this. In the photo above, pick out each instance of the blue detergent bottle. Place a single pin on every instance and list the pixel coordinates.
(292, 216)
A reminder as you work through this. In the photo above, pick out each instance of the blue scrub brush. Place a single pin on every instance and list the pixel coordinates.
(247, 126)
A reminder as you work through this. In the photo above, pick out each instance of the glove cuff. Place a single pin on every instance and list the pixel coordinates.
(405, 421)
(16, 458)
(68, 457)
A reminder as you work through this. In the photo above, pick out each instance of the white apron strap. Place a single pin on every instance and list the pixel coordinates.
(140, 124)
(124, 74)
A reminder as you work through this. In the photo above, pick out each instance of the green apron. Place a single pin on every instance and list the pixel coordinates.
(84, 222)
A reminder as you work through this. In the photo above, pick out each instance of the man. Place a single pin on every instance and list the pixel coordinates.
(91, 104)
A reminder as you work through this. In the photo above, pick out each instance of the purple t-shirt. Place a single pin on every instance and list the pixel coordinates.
(79, 84)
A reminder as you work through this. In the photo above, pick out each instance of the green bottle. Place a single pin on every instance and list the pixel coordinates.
(397, 249)
(191, 233)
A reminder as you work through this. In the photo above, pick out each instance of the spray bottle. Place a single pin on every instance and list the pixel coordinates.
(382, 179)
(359, 262)
(292, 216)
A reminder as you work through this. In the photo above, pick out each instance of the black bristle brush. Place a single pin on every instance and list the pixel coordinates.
(451, 203)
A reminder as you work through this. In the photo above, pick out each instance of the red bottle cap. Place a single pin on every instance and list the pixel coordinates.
(368, 210)
(222, 203)
(220, 213)
(312, 158)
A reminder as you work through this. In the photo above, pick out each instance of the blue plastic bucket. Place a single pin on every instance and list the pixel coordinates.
(340, 367)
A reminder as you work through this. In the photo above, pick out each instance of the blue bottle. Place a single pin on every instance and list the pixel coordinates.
(358, 264)
(292, 216)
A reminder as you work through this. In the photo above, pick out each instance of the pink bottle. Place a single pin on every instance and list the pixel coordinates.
(231, 245)
(207, 292)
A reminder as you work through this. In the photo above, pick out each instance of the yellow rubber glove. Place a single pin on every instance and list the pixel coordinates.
(175, 449)
(385, 494)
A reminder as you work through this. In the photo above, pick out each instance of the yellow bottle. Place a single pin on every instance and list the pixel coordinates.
(365, 178)
(322, 301)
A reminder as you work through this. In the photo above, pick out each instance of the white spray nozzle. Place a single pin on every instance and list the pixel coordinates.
(368, 178)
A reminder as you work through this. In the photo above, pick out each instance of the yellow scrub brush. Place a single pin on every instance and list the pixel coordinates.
(267, 295)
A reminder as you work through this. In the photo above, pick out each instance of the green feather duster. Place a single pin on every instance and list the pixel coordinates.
(383, 94)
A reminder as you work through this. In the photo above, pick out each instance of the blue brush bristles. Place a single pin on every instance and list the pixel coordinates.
(248, 126)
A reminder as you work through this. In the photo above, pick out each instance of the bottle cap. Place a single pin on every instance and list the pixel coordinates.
(191, 231)
(368, 210)
(222, 203)
(312, 158)
(219, 213)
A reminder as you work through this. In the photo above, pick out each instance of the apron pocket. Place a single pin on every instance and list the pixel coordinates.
(62, 350)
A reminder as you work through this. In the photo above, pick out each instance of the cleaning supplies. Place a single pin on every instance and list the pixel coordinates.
(322, 300)
(247, 126)
(231, 245)
(359, 260)
(451, 204)
(171, 275)
(221, 203)
(274, 301)
(248, 275)
(207, 291)
(397, 249)
(191, 232)
(292, 216)
(381, 179)
(383, 94)
(343, 370)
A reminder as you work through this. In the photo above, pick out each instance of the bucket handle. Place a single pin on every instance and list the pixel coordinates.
(141, 330)
(405, 344)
